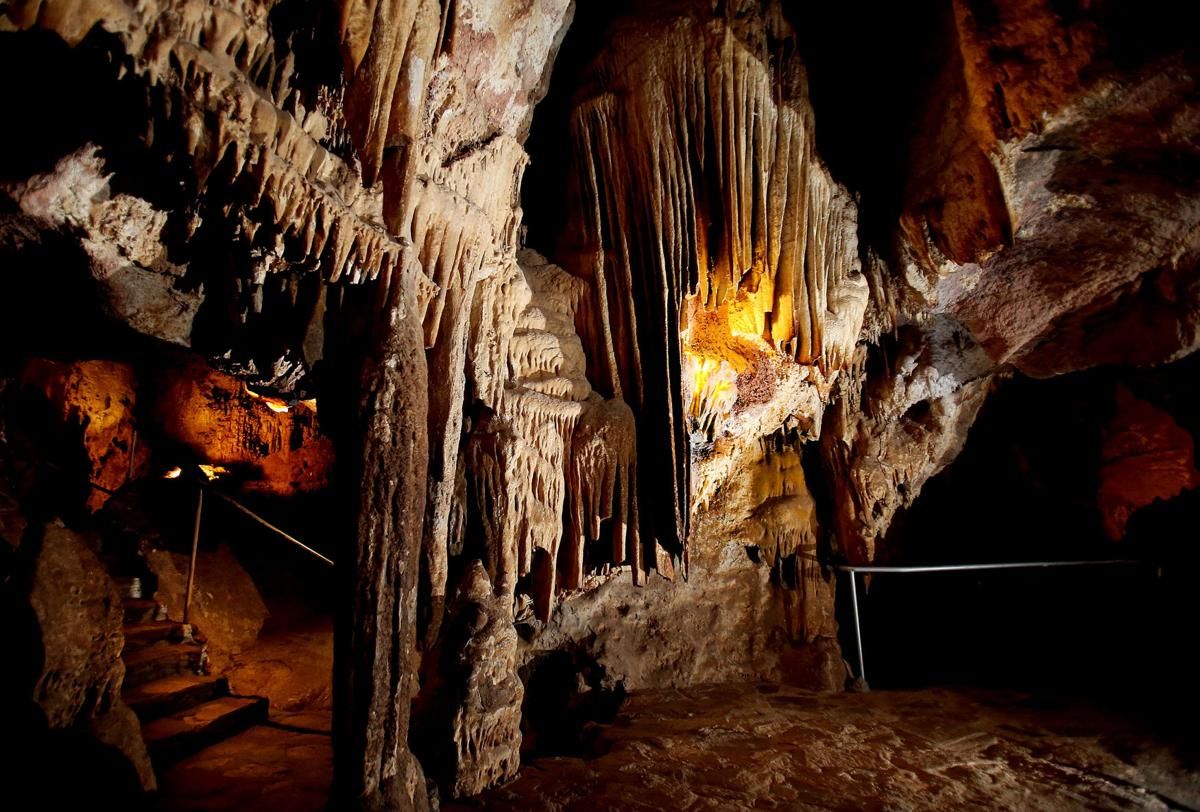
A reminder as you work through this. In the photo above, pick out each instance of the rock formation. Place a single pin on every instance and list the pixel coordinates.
(482, 691)
(78, 630)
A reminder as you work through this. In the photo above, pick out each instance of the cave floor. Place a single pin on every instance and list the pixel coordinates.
(283, 766)
(765, 746)
(771, 747)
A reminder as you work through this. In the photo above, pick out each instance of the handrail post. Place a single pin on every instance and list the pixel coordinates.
(132, 456)
(191, 580)
(862, 669)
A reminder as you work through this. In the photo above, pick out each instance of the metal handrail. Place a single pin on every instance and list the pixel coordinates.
(282, 533)
(200, 488)
(854, 569)
(1000, 566)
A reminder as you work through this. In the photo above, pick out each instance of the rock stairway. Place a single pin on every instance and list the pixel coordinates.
(182, 708)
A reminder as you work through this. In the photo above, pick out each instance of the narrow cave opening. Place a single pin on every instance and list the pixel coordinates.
(163, 473)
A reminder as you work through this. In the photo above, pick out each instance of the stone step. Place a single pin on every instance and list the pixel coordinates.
(142, 610)
(147, 633)
(163, 660)
(181, 734)
(169, 695)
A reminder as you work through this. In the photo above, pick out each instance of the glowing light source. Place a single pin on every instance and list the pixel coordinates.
(274, 404)
(213, 471)
(174, 473)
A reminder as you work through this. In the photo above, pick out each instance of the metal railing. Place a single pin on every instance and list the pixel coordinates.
(201, 487)
(854, 569)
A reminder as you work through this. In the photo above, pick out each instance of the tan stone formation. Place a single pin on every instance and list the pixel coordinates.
(122, 236)
(232, 100)
(884, 438)
(1034, 235)
(550, 430)
(699, 179)
(484, 692)
(648, 459)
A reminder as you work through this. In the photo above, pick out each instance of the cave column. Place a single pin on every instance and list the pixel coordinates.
(375, 674)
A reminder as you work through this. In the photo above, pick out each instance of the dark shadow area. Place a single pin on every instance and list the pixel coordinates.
(1027, 488)
(566, 696)
(548, 189)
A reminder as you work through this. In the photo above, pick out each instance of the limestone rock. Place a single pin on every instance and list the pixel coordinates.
(123, 237)
(484, 693)
(706, 747)
(79, 617)
(226, 607)
(1146, 456)
(97, 400)
(889, 434)
(271, 445)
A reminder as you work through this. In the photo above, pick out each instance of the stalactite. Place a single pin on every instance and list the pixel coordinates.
(602, 482)
(694, 147)
(551, 444)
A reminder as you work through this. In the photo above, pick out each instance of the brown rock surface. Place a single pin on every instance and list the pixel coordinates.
(226, 607)
(286, 766)
(80, 619)
(631, 448)
(1146, 456)
(483, 693)
(122, 236)
(220, 421)
(767, 746)
(292, 667)
(97, 399)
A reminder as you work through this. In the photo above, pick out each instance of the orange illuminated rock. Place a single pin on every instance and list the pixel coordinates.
(1146, 456)
(96, 398)
(216, 418)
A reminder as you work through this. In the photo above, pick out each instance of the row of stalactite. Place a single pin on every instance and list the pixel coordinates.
(695, 154)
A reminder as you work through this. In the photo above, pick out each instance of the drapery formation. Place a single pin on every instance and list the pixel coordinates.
(694, 142)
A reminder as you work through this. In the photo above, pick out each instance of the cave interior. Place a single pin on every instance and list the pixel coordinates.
(552, 404)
